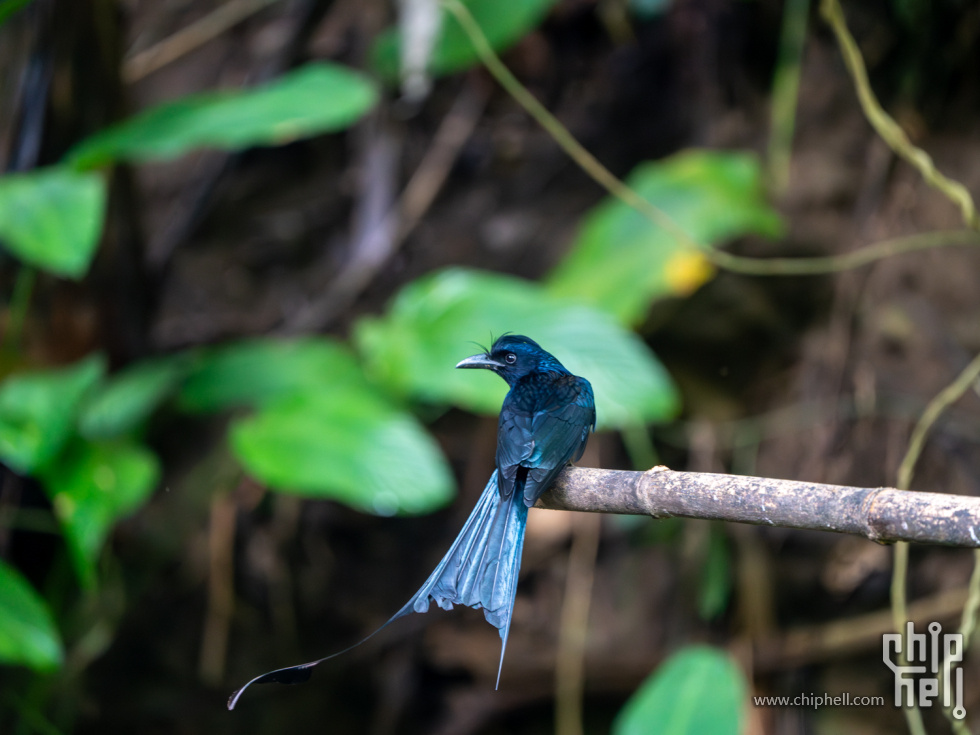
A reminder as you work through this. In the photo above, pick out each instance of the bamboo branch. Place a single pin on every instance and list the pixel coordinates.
(881, 514)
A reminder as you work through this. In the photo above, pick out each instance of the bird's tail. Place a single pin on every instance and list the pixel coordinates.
(479, 570)
(481, 567)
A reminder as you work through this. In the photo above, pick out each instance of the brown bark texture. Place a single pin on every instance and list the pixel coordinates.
(882, 514)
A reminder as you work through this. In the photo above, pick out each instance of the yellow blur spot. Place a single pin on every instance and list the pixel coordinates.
(64, 506)
(686, 271)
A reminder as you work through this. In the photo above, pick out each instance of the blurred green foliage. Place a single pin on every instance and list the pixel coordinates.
(28, 634)
(316, 417)
(38, 409)
(253, 372)
(9, 7)
(620, 263)
(91, 486)
(697, 691)
(314, 98)
(504, 22)
(716, 576)
(321, 428)
(51, 218)
(349, 444)
(121, 404)
(412, 349)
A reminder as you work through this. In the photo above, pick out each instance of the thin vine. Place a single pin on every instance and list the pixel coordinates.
(728, 261)
(885, 125)
(943, 400)
(898, 141)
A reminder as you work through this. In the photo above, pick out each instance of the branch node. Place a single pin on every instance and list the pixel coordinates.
(870, 516)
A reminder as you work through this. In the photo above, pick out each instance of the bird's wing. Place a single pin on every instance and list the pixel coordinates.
(560, 435)
(548, 438)
(515, 444)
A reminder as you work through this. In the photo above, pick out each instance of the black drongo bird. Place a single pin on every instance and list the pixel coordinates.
(544, 424)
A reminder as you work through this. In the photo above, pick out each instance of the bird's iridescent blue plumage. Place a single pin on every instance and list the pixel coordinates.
(544, 424)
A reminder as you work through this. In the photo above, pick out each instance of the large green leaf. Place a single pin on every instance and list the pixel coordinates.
(503, 22)
(28, 634)
(697, 691)
(252, 372)
(321, 429)
(429, 327)
(91, 487)
(37, 411)
(51, 218)
(346, 443)
(315, 98)
(127, 399)
(620, 262)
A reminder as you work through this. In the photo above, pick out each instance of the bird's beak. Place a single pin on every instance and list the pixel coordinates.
(479, 361)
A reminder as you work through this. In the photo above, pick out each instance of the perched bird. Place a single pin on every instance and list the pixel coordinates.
(544, 424)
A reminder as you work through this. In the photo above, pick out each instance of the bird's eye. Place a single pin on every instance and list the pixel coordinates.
(510, 358)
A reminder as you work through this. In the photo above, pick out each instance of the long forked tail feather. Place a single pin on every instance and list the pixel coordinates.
(480, 570)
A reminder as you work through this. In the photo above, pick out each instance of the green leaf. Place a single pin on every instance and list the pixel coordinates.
(716, 581)
(253, 372)
(346, 443)
(620, 262)
(315, 98)
(28, 635)
(432, 322)
(37, 411)
(51, 218)
(321, 430)
(697, 691)
(127, 399)
(91, 487)
(504, 22)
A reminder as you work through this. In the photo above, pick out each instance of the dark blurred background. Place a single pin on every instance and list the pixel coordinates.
(818, 378)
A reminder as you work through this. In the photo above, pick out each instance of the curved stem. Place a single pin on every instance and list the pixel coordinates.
(885, 125)
(946, 397)
(786, 91)
(619, 189)
(845, 261)
(575, 150)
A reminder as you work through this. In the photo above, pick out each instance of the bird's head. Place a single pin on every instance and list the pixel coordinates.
(512, 357)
